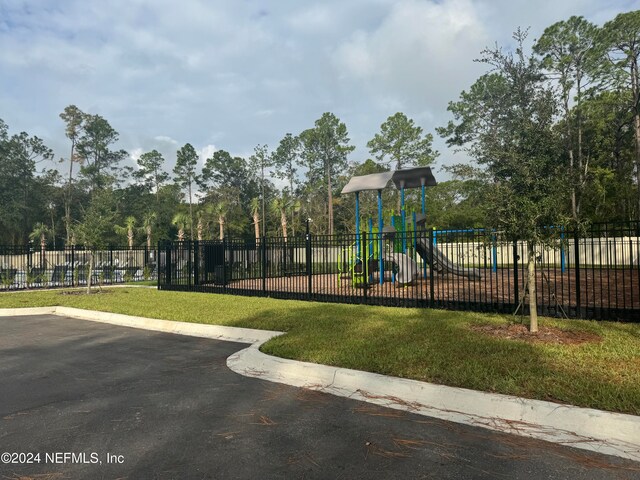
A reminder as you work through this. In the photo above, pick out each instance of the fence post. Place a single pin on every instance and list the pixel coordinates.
(562, 252)
(167, 266)
(494, 252)
(365, 267)
(309, 260)
(196, 262)
(29, 257)
(516, 292)
(431, 268)
(224, 262)
(189, 266)
(73, 265)
(576, 250)
(263, 247)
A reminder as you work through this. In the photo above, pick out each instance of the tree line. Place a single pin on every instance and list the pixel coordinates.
(553, 131)
(272, 192)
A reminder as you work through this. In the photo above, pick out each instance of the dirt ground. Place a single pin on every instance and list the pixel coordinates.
(612, 289)
(515, 331)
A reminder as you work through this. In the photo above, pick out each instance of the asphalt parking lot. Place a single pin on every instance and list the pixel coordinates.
(99, 401)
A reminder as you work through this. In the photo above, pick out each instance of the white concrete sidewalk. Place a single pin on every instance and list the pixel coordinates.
(589, 429)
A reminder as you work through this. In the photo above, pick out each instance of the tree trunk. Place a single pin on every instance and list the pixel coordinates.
(399, 203)
(256, 226)
(200, 229)
(43, 248)
(149, 238)
(264, 217)
(221, 223)
(90, 273)
(283, 222)
(130, 239)
(533, 301)
(330, 198)
(190, 214)
(581, 170)
(293, 223)
(157, 190)
(636, 122)
(635, 88)
(53, 230)
(572, 170)
(67, 205)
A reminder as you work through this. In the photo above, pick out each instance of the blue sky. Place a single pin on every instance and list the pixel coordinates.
(232, 74)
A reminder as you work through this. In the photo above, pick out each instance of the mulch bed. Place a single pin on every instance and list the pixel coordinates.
(545, 334)
(599, 288)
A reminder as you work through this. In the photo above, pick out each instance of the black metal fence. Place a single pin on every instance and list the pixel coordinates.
(589, 274)
(29, 266)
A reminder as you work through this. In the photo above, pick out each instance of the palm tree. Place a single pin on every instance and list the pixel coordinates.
(255, 213)
(40, 232)
(148, 222)
(280, 205)
(128, 229)
(200, 221)
(220, 209)
(180, 220)
(296, 206)
(205, 216)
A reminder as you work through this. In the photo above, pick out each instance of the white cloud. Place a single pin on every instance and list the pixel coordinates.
(206, 152)
(238, 74)
(314, 19)
(421, 53)
(165, 139)
(135, 154)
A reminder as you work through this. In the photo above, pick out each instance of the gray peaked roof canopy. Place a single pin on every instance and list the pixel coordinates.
(374, 181)
(407, 177)
(414, 177)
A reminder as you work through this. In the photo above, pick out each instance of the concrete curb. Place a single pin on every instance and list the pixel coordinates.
(58, 289)
(589, 429)
(217, 332)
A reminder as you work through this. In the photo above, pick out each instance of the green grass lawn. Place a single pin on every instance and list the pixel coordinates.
(432, 345)
(143, 283)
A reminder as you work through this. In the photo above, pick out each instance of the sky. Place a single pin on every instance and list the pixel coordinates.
(233, 74)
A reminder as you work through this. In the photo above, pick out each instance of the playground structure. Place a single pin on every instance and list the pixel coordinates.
(410, 247)
(401, 253)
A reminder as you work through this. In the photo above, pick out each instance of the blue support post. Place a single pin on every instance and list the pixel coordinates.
(392, 247)
(415, 245)
(370, 248)
(494, 251)
(380, 226)
(415, 232)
